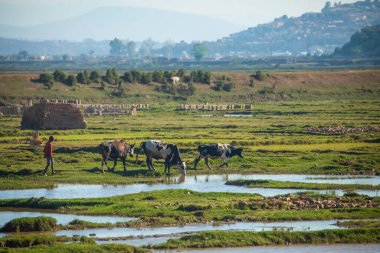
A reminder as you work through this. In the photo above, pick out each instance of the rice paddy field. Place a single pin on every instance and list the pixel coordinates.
(323, 143)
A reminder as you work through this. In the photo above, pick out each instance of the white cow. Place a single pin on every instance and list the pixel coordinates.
(159, 150)
(175, 79)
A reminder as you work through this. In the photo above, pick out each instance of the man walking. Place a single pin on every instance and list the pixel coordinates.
(48, 152)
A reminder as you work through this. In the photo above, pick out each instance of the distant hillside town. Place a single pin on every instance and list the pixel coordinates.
(312, 34)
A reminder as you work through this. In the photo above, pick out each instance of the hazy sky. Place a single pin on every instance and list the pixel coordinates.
(247, 13)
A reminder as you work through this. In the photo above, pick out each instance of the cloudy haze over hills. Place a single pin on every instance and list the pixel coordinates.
(157, 19)
(133, 23)
(170, 33)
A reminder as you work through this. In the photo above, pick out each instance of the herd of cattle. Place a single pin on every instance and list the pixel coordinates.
(112, 150)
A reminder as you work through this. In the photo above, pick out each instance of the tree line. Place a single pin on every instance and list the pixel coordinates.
(185, 86)
(363, 43)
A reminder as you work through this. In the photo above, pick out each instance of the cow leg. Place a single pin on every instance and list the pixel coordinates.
(225, 162)
(151, 164)
(103, 165)
(206, 161)
(123, 160)
(148, 164)
(114, 164)
(196, 161)
(106, 163)
(167, 166)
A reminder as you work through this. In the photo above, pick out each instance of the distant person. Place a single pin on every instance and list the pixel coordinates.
(48, 152)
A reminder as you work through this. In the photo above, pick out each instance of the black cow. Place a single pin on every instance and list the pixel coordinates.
(160, 150)
(225, 151)
(111, 150)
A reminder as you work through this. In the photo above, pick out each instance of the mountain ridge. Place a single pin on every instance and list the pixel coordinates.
(132, 23)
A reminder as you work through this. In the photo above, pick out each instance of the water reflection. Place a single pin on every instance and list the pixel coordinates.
(238, 226)
(200, 183)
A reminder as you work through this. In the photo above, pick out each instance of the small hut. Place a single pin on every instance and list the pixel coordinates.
(53, 116)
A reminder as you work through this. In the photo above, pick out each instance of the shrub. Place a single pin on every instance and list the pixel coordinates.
(102, 85)
(259, 75)
(82, 77)
(94, 76)
(228, 86)
(71, 80)
(192, 208)
(28, 224)
(45, 78)
(59, 76)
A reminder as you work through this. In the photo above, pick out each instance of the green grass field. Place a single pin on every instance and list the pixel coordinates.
(276, 140)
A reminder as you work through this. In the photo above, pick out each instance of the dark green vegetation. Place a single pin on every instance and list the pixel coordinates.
(180, 207)
(29, 224)
(359, 224)
(50, 243)
(299, 185)
(363, 43)
(31, 240)
(43, 223)
(249, 87)
(81, 224)
(217, 239)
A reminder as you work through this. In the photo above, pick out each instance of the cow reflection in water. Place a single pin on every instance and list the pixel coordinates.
(111, 150)
(160, 150)
(224, 151)
(175, 180)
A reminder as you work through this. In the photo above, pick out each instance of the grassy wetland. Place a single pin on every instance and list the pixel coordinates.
(301, 123)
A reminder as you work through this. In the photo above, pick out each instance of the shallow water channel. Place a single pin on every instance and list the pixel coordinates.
(335, 248)
(171, 231)
(8, 215)
(152, 236)
(200, 183)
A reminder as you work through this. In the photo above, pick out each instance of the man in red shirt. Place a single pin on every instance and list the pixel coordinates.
(48, 152)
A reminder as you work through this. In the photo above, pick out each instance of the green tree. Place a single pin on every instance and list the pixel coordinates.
(135, 76)
(191, 89)
(23, 54)
(102, 85)
(146, 47)
(127, 77)
(86, 77)
(181, 73)
(259, 75)
(362, 43)
(94, 76)
(83, 78)
(117, 47)
(198, 51)
(71, 80)
(46, 79)
(218, 85)
(207, 77)
(111, 76)
(228, 86)
(158, 76)
(146, 78)
(131, 49)
(59, 76)
(251, 82)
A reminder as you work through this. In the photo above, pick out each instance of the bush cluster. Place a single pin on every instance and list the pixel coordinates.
(224, 83)
(29, 224)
